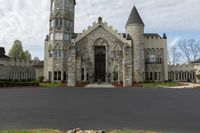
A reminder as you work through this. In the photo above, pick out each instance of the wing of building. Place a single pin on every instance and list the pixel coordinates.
(101, 53)
(17, 70)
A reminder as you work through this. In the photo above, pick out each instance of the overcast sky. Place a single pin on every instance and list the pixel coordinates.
(27, 20)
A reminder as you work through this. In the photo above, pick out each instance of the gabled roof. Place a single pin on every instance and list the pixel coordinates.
(134, 17)
(96, 25)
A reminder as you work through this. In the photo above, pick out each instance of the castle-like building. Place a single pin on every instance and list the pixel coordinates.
(101, 53)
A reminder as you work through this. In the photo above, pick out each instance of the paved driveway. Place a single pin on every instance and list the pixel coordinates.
(152, 109)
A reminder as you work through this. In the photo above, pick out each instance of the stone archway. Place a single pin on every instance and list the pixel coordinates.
(100, 60)
(100, 63)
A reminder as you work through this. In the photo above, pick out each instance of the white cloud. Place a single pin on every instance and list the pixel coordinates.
(27, 20)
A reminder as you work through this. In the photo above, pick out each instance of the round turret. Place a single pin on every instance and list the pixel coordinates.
(135, 28)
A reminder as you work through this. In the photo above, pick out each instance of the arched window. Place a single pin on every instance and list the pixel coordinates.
(53, 5)
(116, 51)
(152, 58)
(50, 53)
(67, 5)
(58, 5)
(115, 76)
(57, 53)
(65, 54)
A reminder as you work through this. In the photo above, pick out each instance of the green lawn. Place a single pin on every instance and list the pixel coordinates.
(31, 131)
(132, 131)
(160, 85)
(57, 131)
(51, 85)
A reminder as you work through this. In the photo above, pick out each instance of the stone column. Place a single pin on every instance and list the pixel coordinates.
(127, 66)
(72, 65)
(52, 78)
(62, 74)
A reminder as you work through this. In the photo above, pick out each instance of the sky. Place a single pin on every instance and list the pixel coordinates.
(27, 20)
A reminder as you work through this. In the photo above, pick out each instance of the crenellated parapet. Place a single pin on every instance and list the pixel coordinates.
(181, 68)
(102, 24)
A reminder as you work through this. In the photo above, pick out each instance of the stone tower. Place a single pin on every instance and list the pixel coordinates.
(61, 28)
(135, 28)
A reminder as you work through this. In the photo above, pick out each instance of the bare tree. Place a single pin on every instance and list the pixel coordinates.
(190, 49)
(174, 56)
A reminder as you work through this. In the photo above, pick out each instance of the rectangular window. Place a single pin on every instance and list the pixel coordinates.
(65, 54)
(66, 36)
(64, 76)
(59, 76)
(58, 36)
(52, 23)
(51, 36)
(58, 22)
(151, 76)
(58, 4)
(53, 5)
(55, 76)
(82, 74)
(55, 53)
(50, 53)
(59, 53)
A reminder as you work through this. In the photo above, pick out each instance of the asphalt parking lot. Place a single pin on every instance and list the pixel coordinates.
(168, 110)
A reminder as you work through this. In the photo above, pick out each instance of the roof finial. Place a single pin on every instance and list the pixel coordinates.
(164, 36)
(100, 20)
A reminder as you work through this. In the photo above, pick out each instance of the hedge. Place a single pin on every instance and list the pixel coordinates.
(18, 84)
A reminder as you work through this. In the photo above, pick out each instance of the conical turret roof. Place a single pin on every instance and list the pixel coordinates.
(134, 17)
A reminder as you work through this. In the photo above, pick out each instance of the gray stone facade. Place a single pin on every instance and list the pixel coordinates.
(100, 53)
(19, 70)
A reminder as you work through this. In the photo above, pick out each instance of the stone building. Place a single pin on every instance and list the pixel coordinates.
(19, 70)
(185, 72)
(101, 53)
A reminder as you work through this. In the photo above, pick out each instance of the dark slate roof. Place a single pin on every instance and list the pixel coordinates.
(196, 61)
(4, 57)
(134, 17)
(164, 36)
(152, 35)
(2, 53)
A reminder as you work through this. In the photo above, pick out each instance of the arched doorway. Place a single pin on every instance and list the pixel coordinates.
(100, 63)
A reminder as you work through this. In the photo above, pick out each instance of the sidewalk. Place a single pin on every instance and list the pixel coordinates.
(104, 85)
(187, 85)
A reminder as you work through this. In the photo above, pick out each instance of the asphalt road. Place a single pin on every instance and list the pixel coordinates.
(150, 109)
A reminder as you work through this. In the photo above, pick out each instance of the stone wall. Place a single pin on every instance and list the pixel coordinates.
(137, 33)
(114, 54)
(157, 46)
(185, 72)
(20, 70)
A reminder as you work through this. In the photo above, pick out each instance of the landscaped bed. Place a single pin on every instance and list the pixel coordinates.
(52, 85)
(76, 131)
(18, 84)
